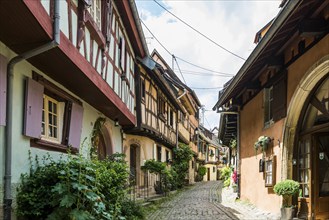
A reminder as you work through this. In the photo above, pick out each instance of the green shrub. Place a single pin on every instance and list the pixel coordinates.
(154, 166)
(286, 189)
(74, 188)
(182, 156)
(227, 182)
(225, 175)
(132, 210)
(202, 170)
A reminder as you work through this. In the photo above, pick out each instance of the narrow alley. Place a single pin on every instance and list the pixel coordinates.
(207, 200)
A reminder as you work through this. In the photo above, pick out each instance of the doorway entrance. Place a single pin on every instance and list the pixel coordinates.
(134, 165)
(313, 156)
(313, 175)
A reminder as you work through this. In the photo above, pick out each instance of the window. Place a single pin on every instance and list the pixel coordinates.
(268, 105)
(304, 167)
(143, 89)
(167, 156)
(161, 106)
(269, 173)
(275, 100)
(95, 11)
(213, 169)
(159, 153)
(122, 52)
(52, 117)
(171, 117)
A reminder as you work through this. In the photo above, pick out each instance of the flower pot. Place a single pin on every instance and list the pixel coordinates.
(287, 213)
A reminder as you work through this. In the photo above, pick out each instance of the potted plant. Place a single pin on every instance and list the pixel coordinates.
(287, 189)
(262, 143)
(233, 143)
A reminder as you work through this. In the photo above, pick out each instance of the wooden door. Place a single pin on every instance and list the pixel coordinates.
(101, 147)
(133, 162)
(321, 180)
(208, 174)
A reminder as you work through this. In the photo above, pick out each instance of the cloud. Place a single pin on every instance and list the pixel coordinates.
(232, 24)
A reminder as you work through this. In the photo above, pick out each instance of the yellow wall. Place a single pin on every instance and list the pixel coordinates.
(252, 126)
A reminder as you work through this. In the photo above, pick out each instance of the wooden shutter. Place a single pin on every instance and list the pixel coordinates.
(266, 106)
(75, 125)
(280, 98)
(123, 53)
(33, 108)
(3, 89)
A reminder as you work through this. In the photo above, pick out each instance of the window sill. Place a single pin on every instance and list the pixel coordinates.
(50, 146)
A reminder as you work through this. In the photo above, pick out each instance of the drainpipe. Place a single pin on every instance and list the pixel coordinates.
(10, 82)
(237, 161)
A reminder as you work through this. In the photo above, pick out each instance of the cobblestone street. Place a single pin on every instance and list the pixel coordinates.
(202, 201)
(207, 200)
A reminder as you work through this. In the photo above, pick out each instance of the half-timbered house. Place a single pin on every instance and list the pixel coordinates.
(64, 64)
(209, 153)
(155, 134)
(188, 118)
(282, 93)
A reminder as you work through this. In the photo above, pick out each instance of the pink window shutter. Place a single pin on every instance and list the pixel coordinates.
(33, 108)
(75, 125)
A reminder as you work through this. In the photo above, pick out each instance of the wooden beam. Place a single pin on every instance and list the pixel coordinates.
(313, 27)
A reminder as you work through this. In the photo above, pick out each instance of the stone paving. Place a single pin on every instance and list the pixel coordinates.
(207, 200)
(199, 202)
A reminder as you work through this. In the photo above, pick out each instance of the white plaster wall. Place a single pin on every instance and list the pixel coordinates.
(21, 143)
(213, 175)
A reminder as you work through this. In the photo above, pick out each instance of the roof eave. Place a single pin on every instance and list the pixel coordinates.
(277, 23)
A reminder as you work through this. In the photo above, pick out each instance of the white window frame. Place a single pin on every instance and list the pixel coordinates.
(270, 171)
(96, 12)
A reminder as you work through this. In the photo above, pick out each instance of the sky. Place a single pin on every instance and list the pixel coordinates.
(232, 24)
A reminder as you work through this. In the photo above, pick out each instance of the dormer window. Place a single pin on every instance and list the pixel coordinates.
(95, 11)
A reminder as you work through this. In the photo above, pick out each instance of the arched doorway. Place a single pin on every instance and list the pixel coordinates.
(302, 132)
(101, 139)
(134, 164)
(311, 154)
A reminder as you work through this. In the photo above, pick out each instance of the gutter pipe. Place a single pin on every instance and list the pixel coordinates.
(9, 125)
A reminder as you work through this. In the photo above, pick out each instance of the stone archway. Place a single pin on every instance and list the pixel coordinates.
(105, 147)
(102, 139)
(311, 78)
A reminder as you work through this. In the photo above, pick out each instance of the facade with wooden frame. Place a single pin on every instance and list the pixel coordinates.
(155, 134)
(188, 117)
(209, 153)
(69, 63)
(285, 80)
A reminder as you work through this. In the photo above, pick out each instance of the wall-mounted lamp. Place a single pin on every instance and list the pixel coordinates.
(116, 123)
